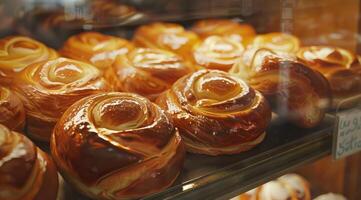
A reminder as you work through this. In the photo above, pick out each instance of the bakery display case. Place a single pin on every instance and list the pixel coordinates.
(158, 99)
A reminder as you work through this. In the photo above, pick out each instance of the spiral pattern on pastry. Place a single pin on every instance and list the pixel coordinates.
(95, 48)
(167, 36)
(147, 72)
(26, 172)
(278, 42)
(216, 113)
(17, 52)
(117, 146)
(48, 88)
(338, 65)
(12, 113)
(239, 32)
(295, 91)
(217, 52)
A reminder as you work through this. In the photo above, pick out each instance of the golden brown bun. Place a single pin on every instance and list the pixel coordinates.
(117, 146)
(147, 72)
(278, 42)
(95, 48)
(339, 66)
(217, 52)
(12, 113)
(26, 172)
(239, 32)
(167, 36)
(295, 91)
(216, 113)
(49, 87)
(17, 52)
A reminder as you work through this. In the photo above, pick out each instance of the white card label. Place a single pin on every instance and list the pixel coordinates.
(347, 135)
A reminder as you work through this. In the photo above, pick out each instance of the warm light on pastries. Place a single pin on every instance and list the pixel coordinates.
(147, 72)
(26, 172)
(49, 87)
(295, 91)
(12, 113)
(217, 52)
(16, 52)
(216, 113)
(278, 42)
(117, 146)
(95, 48)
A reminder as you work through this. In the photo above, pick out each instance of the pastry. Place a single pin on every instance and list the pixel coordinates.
(12, 113)
(216, 113)
(278, 42)
(339, 66)
(168, 36)
(49, 87)
(240, 32)
(147, 72)
(296, 92)
(26, 172)
(95, 48)
(331, 196)
(16, 52)
(117, 146)
(217, 52)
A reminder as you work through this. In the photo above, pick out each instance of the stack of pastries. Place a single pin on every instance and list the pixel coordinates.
(119, 114)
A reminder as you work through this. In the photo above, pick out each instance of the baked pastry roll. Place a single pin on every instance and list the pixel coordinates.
(278, 42)
(240, 32)
(216, 113)
(168, 36)
(147, 72)
(26, 172)
(117, 146)
(339, 66)
(12, 113)
(49, 87)
(217, 52)
(295, 91)
(16, 52)
(95, 48)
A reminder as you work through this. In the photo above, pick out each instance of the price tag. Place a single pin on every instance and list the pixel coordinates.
(347, 137)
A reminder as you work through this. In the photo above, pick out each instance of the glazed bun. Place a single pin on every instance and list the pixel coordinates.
(12, 113)
(278, 42)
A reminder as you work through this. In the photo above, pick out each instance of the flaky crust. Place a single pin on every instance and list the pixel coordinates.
(17, 52)
(48, 88)
(12, 113)
(95, 48)
(216, 113)
(117, 146)
(278, 42)
(168, 36)
(26, 172)
(147, 72)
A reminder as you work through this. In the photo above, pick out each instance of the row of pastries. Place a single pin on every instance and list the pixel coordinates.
(120, 114)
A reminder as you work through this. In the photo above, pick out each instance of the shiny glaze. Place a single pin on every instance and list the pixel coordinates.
(26, 173)
(278, 42)
(95, 48)
(216, 113)
(295, 91)
(216, 52)
(48, 88)
(147, 72)
(338, 65)
(117, 146)
(12, 113)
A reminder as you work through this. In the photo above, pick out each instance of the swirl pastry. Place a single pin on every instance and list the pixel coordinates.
(26, 172)
(48, 88)
(147, 72)
(217, 52)
(216, 113)
(295, 91)
(168, 36)
(12, 113)
(338, 65)
(278, 42)
(117, 146)
(287, 187)
(95, 48)
(16, 52)
(224, 27)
